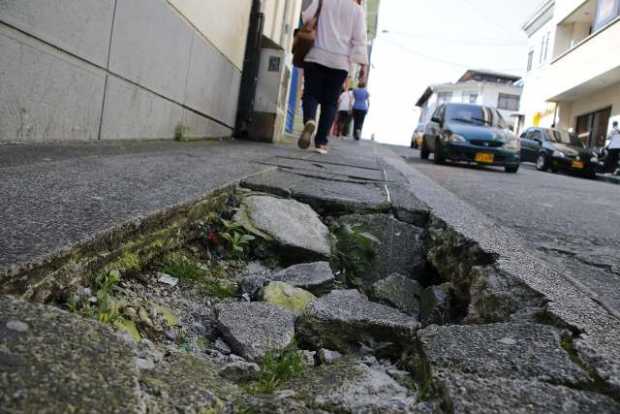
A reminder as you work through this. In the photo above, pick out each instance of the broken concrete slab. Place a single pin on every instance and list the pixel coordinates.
(326, 196)
(349, 386)
(315, 277)
(252, 329)
(468, 394)
(323, 168)
(182, 382)
(400, 247)
(522, 351)
(54, 362)
(292, 225)
(400, 292)
(346, 319)
(497, 296)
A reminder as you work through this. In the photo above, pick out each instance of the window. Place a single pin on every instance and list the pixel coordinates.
(606, 11)
(470, 97)
(547, 40)
(508, 102)
(444, 97)
(542, 49)
(530, 60)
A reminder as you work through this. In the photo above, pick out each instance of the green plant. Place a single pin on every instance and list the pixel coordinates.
(276, 368)
(356, 250)
(102, 306)
(237, 237)
(181, 133)
(182, 267)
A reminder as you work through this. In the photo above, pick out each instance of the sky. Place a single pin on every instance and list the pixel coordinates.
(436, 41)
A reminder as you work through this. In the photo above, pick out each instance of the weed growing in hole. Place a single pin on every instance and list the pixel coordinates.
(226, 237)
(355, 250)
(277, 368)
(183, 268)
(181, 133)
(102, 305)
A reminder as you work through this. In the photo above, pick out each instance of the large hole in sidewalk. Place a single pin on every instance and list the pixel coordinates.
(389, 279)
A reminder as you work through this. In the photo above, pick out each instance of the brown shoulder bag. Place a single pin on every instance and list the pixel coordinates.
(305, 38)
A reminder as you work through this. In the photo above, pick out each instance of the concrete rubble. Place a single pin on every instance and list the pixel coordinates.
(435, 318)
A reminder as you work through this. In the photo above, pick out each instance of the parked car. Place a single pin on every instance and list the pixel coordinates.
(473, 134)
(418, 134)
(556, 149)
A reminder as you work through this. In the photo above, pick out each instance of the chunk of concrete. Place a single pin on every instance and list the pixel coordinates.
(400, 248)
(292, 225)
(352, 387)
(520, 351)
(399, 291)
(181, 382)
(328, 357)
(315, 277)
(345, 319)
(287, 297)
(240, 371)
(471, 394)
(52, 361)
(252, 329)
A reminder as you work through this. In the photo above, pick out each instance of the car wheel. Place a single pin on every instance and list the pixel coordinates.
(542, 164)
(512, 169)
(439, 158)
(424, 153)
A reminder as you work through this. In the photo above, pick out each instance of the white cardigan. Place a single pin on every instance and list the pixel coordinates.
(341, 35)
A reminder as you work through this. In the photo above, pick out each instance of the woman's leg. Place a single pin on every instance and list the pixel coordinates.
(331, 88)
(310, 103)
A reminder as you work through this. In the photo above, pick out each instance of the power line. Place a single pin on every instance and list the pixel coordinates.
(441, 60)
(460, 41)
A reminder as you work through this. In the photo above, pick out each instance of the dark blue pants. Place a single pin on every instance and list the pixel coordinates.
(322, 86)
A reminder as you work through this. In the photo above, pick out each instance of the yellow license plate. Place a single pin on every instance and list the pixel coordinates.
(484, 157)
(579, 165)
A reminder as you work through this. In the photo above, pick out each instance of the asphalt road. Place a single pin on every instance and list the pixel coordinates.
(571, 222)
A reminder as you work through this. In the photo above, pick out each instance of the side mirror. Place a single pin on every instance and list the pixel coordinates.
(436, 120)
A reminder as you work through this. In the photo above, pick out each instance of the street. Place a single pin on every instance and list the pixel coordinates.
(571, 222)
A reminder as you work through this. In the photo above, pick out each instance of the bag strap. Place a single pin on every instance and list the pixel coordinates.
(318, 13)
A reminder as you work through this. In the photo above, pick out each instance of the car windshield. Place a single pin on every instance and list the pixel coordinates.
(471, 114)
(563, 137)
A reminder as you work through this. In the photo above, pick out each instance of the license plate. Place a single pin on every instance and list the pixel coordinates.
(578, 165)
(484, 157)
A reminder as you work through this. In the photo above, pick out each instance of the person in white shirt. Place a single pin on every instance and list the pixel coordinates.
(341, 41)
(613, 149)
(345, 111)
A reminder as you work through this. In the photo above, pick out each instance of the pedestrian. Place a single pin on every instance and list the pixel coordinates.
(341, 41)
(613, 149)
(345, 109)
(360, 108)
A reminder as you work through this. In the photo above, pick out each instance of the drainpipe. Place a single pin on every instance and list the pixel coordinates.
(249, 76)
(555, 115)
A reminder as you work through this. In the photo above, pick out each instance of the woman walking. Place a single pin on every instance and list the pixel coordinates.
(340, 42)
(360, 109)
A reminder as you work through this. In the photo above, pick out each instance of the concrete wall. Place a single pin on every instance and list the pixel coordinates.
(119, 69)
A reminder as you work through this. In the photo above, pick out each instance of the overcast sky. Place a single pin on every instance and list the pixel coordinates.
(435, 41)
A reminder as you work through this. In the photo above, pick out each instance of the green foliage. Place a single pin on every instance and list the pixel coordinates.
(181, 133)
(217, 232)
(102, 306)
(183, 268)
(277, 368)
(355, 250)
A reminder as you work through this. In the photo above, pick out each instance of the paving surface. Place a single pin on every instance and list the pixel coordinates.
(52, 196)
(570, 222)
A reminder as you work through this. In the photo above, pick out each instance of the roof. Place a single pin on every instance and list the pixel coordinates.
(540, 12)
(472, 72)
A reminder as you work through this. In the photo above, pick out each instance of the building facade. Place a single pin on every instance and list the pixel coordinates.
(487, 88)
(583, 75)
(88, 70)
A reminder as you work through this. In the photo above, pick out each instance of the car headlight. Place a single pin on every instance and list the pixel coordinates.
(513, 144)
(558, 154)
(456, 138)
